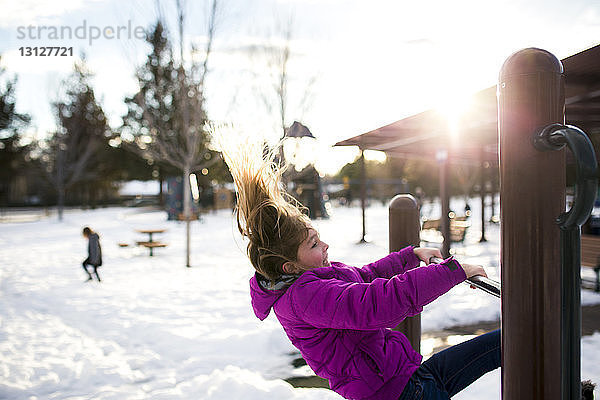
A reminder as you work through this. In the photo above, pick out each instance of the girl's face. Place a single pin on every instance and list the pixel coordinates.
(312, 252)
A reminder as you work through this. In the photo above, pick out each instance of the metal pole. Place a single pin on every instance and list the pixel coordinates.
(571, 313)
(532, 195)
(363, 194)
(554, 137)
(492, 177)
(483, 192)
(442, 157)
(404, 229)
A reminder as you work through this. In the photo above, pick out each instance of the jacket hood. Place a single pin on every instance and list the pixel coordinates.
(265, 294)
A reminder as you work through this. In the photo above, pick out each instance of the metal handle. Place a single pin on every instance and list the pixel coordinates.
(481, 282)
(555, 137)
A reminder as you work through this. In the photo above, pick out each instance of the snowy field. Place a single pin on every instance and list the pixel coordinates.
(153, 329)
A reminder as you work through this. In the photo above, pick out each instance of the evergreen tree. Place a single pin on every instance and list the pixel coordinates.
(151, 112)
(166, 119)
(13, 155)
(73, 155)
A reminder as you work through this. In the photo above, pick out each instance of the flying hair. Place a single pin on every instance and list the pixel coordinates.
(273, 221)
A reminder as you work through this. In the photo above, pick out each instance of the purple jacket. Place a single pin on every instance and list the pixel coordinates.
(338, 317)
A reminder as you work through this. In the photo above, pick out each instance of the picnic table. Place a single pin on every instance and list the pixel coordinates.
(150, 244)
(458, 228)
(590, 257)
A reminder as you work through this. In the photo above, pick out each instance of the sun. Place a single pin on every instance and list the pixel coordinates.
(454, 110)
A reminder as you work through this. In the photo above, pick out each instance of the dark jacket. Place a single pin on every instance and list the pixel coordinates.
(94, 250)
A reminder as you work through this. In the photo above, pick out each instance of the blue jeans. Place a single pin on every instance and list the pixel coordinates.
(450, 371)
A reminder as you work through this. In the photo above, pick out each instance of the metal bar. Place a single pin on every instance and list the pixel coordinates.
(482, 193)
(570, 326)
(487, 285)
(363, 194)
(555, 137)
(480, 282)
(442, 158)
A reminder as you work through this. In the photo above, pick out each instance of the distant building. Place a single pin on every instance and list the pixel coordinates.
(224, 198)
(139, 193)
(174, 199)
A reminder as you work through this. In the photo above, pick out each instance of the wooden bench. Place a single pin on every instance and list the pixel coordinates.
(151, 245)
(431, 224)
(458, 228)
(590, 256)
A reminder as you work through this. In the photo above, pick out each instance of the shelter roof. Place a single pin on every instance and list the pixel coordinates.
(473, 136)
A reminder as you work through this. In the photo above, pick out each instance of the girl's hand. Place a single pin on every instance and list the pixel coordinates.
(425, 253)
(472, 270)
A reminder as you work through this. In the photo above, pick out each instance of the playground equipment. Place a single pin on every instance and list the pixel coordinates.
(404, 228)
(555, 137)
(541, 306)
(540, 243)
(480, 282)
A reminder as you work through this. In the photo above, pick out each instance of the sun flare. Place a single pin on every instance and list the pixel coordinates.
(454, 109)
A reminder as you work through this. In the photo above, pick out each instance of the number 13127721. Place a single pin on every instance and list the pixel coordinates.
(46, 51)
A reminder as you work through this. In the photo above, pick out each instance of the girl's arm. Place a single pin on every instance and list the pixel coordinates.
(381, 303)
(390, 265)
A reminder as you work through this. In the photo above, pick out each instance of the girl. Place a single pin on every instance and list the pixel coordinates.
(339, 316)
(94, 258)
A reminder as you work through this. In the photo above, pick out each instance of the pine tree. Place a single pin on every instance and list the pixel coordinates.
(13, 155)
(73, 152)
(166, 119)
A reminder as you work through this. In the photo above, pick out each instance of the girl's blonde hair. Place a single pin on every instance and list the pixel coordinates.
(272, 220)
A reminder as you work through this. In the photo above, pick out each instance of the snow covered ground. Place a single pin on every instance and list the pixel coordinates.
(153, 329)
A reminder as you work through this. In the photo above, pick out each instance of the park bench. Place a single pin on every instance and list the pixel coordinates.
(458, 228)
(590, 256)
(431, 224)
(151, 245)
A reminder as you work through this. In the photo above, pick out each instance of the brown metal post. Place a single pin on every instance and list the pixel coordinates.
(363, 194)
(483, 193)
(442, 158)
(532, 195)
(493, 177)
(492, 200)
(404, 229)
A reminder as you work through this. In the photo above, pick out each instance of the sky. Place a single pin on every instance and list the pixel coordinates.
(354, 65)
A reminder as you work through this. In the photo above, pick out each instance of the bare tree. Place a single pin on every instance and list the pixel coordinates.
(279, 99)
(172, 125)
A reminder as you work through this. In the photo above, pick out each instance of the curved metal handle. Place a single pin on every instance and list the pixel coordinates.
(480, 282)
(555, 137)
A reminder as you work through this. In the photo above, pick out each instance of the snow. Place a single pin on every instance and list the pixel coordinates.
(135, 188)
(153, 329)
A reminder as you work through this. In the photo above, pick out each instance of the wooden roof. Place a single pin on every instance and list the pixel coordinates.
(582, 90)
(475, 135)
